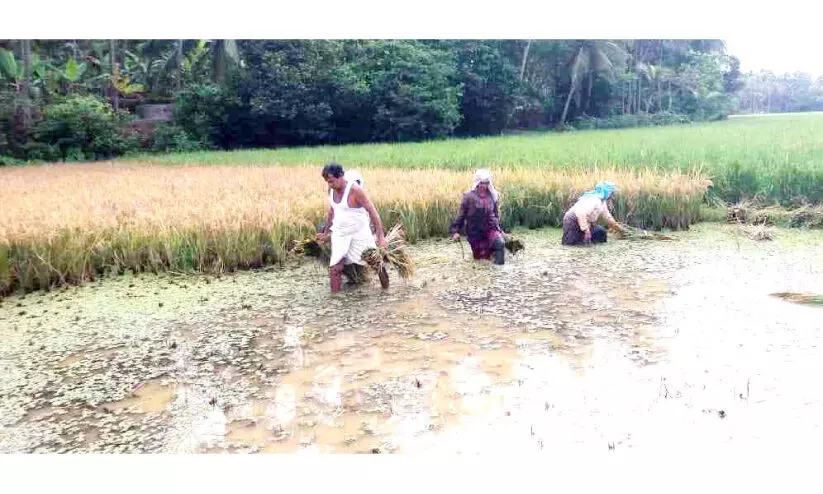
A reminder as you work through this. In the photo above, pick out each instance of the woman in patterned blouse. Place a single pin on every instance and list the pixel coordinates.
(480, 214)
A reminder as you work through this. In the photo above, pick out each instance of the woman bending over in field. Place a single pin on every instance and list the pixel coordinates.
(480, 213)
(579, 222)
(348, 225)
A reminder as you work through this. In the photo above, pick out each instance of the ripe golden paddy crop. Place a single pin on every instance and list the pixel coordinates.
(69, 223)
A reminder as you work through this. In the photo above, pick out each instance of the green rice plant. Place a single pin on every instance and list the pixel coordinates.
(771, 158)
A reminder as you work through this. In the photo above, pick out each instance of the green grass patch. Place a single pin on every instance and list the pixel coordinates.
(761, 158)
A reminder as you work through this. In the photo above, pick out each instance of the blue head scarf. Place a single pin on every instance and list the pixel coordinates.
(603, 190)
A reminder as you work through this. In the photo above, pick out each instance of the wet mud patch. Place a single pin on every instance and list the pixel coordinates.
(151, 396)
(625, 345)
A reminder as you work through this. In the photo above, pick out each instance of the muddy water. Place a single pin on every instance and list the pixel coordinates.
(652, 345)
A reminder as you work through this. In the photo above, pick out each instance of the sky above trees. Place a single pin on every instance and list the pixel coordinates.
(799, 52)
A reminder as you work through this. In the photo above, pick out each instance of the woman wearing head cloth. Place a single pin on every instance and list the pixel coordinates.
(579, 222)
(479, 213)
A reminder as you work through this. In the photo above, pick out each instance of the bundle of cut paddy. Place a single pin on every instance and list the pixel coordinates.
(394, 256)
(356, 273)
(312, 248)
(514, 244)
(759, 232)
(632, 233)
(321, 251)
(800, 298)
(806, 215)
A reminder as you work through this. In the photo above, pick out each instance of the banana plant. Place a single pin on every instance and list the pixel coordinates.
(13, 72)
(10, 71)
(122, 83)
(159, 73)
(71, 74)
(195, 62)
(174, 68)
(147, 69)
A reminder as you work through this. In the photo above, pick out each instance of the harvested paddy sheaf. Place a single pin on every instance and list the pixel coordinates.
(71, 223)
(801, 298)
(747, 212)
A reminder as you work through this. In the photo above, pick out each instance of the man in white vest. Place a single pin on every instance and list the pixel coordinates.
(348, 225)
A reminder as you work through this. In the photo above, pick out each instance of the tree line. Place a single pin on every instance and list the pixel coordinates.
(766, 92)
(70, 99)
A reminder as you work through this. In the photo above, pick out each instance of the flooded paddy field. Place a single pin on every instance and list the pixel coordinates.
(646, 345)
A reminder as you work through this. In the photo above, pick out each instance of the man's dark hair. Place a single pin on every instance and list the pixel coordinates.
(333, 170)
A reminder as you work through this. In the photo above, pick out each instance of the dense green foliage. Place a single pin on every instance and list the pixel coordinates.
(203, 112)
(259, 93)
(330, 91)
(80, 128)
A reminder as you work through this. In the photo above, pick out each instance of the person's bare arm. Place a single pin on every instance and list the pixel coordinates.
(613, 224)
(327, 226)
(362, 200)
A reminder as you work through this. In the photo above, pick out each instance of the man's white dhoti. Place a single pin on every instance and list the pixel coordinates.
(350, 247)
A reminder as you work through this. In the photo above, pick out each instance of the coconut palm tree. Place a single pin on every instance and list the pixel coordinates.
(525, 57)
(599, 57)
